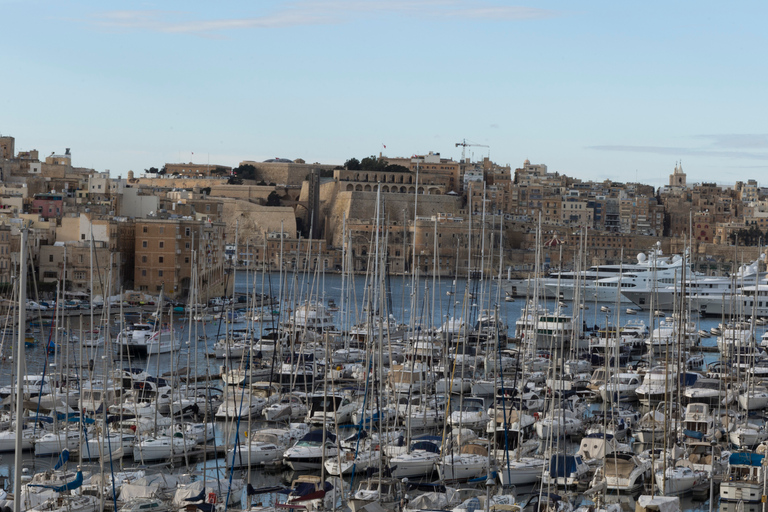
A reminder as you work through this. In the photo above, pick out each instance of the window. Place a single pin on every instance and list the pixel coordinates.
(49, 275)
(144, 244)
(143, 259)
(144, 229)
(160, 259)
(186, 232)
(159, 273)
(162, 230)
(80, 259)
(160, 288)
(50, 257)
(144, 272)
(162, 244)
(186, 246)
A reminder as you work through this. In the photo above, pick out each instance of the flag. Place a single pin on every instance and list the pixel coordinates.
(385, 146)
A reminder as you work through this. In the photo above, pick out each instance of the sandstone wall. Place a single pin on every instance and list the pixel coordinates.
(395, 207)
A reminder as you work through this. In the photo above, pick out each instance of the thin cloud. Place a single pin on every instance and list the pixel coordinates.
(737, 140)
(681, 151)
(725, 145)
(313, 13)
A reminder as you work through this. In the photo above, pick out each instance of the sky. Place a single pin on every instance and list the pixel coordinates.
(595, 89)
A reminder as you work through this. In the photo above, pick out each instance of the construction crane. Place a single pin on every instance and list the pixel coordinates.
(464, 144)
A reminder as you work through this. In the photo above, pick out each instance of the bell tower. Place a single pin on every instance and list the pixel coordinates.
(677, 178)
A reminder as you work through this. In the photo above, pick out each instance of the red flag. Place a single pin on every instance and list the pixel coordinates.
(385, 146)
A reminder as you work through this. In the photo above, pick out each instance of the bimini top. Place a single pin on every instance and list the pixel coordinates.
(746, 459)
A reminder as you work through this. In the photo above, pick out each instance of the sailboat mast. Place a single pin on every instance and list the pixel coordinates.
(20, 360)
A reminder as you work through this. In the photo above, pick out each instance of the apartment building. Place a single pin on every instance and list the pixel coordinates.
(164, 252)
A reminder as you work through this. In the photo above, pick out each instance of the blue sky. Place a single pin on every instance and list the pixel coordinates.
(595, 90)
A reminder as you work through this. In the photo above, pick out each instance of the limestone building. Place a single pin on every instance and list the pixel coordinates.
(167, 248)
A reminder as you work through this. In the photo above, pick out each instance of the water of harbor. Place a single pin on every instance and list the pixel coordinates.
(427, 303)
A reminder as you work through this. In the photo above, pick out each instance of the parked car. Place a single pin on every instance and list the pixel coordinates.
(34, 306)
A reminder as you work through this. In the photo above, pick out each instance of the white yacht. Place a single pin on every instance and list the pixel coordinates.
(749, 300)
(470, 462)
(308, 453)
(620, 387)
(602, 284)
(265, 446)
(698, 289)
(32, 386)
(565, 470)
(546, 329)
(675, 481)
(746, 478)
(623, 473)
(662, 382)
(145, 339)
(419, 461)
(162, 447)
(310, 316)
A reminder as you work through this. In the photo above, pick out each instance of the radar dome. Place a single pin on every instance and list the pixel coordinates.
(641, 257)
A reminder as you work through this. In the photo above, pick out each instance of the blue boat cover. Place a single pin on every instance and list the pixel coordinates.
(693, 433)
(745, 459)
(317, 436)
(688, 379)
(425, 446)
(561, 466)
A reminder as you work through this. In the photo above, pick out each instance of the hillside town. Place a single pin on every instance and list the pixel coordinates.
(147, 230)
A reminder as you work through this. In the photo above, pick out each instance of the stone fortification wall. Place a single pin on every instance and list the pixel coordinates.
(284, 174)
(256, 221)
(362, 206)
(178, 182)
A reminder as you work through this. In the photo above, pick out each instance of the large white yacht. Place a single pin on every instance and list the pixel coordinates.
(699, 290)
(750, 300)
(602, 283)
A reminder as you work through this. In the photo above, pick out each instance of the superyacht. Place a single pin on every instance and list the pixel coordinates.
(600, 283)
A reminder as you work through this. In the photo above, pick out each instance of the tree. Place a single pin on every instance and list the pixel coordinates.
(206, 191)
(353, 164)
(396, 168)
(245, 172)
(234, 180)
(273, 199)
(371, 163)
(219, 171)
(151, 170)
